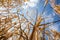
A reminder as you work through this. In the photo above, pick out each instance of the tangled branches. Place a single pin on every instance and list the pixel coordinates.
(15, 26)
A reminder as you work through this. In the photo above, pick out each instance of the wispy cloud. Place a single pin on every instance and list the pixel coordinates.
(31, 3)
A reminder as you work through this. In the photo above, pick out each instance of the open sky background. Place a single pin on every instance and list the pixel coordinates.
(35, 7)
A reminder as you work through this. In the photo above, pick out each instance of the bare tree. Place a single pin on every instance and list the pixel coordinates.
(17, 26)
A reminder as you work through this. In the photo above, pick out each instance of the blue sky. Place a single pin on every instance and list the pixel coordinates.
(34, 5)
(50, 12)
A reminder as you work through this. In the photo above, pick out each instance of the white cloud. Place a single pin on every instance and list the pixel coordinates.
(34, 1)
(31, 3)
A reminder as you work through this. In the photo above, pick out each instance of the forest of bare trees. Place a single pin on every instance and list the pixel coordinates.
(15, 26)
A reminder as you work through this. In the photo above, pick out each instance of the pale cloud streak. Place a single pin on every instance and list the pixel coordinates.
(31, 3)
